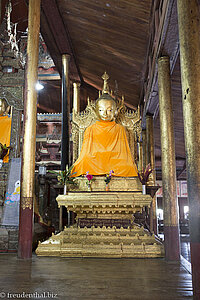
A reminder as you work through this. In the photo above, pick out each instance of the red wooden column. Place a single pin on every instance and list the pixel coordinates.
(29, 133)
(189, 29)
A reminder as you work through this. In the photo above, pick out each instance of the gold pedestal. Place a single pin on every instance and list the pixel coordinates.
(106, 242)
(119, 238)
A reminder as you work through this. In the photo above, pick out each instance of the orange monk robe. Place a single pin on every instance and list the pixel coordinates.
(105, 147)
(5, 130)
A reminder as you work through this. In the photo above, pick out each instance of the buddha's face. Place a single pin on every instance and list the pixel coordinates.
(106, 109)
(2, 107)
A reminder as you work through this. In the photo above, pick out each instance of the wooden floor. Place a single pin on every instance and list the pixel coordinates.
(109, 279)
(185, 246)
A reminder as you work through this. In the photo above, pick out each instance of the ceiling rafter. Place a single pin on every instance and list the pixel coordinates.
(50, 15)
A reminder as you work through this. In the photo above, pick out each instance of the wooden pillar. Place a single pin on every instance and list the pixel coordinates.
(76, 96)
(140, 156)
(189, 28)
(76, 107)
(144, 152)
(65, 148)
(65, 140)
(171, 222)
(29, 133)
(150, 146)
(144, 164)
(150, 154)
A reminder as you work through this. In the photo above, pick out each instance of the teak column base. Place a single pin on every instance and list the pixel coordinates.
(171, 243)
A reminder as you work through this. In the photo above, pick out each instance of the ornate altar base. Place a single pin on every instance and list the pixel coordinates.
(105, 225)
(102, 242)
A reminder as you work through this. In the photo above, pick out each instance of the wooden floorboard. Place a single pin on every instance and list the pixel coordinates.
(110, 279)
(185, 246)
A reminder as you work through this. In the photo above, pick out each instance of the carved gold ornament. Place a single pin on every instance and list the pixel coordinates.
(27, 202)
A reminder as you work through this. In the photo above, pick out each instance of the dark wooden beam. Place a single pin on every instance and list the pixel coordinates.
(90, 87)
(181, 171)
(45, 108)
(59, 36)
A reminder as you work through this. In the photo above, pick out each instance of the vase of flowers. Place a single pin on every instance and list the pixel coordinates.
(108, 179)
(144, 189)
(89, 178)
(144, 176)
(65, 177)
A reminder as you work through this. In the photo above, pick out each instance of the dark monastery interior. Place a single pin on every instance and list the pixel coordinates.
(67, 66)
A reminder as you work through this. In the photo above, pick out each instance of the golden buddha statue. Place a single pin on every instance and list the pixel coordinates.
(5, 125)
(104, 219)
(105, 146)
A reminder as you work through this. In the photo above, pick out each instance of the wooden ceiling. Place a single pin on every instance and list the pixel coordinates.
(100, 36)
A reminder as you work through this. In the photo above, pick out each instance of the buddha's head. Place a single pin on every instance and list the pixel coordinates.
(106, 108)
(3, 107)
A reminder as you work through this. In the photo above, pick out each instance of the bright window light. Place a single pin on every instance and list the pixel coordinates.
(186, 211)
(39, 86)
(160, 214)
